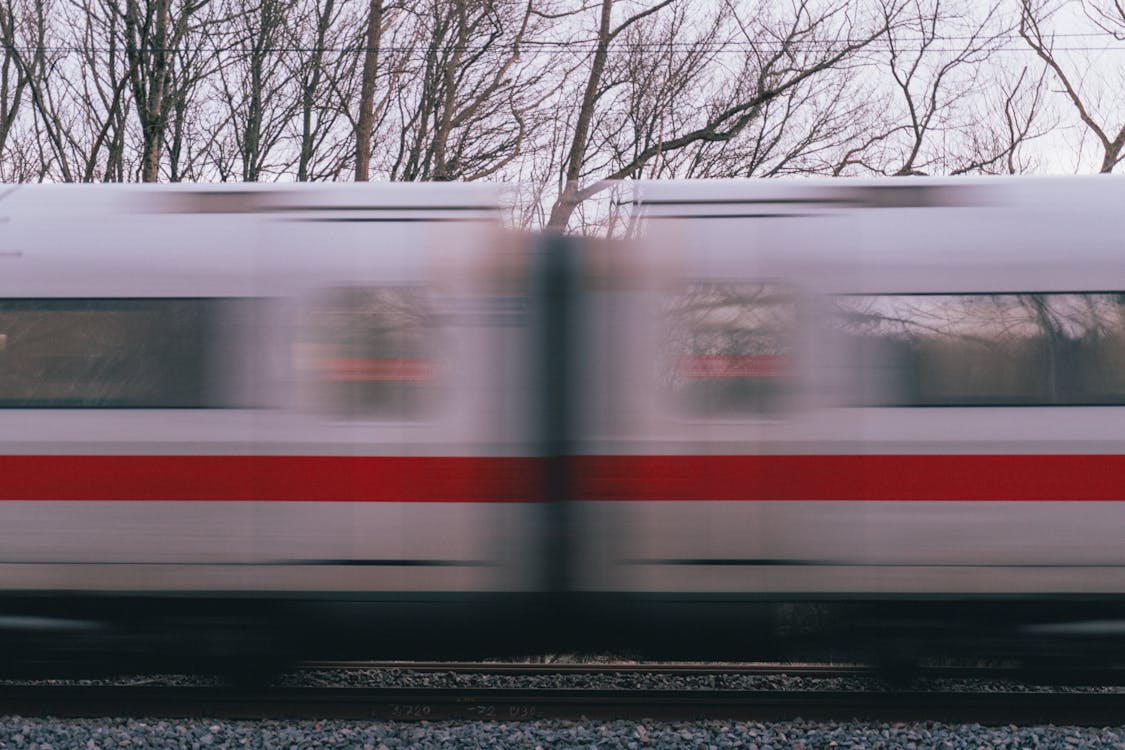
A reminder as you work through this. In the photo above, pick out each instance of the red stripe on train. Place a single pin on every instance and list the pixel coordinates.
(854, 477)
(285, 478)
(517, 479)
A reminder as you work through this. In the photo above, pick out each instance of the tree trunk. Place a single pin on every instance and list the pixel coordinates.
(568, 198)
(366, 120)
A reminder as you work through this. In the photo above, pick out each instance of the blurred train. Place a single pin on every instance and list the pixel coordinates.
(240, 423)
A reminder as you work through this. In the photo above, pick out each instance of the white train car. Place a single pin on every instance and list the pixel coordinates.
(363, 420)
(263, 406)
(878, 393)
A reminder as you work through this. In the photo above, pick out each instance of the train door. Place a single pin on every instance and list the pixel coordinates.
(408, 385)
(704, 378)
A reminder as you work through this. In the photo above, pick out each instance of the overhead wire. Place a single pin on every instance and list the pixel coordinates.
(560, 48)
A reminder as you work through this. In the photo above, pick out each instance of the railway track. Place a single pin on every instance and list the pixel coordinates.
(1061, 676)
(562, 668)
(427, 704)
(986, 707)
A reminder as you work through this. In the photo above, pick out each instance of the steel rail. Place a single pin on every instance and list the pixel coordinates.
(1060, 676)
(418, 704)
(562, 668)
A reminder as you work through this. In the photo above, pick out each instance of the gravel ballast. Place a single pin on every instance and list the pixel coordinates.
(405, 678)
(48, 734)
(658, 681)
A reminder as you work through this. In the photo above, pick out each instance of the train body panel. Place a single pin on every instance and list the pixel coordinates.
(760, 425)
(297, 411)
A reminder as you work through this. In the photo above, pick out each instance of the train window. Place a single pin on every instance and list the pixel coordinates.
(730, 348)
(108, 353)
(986, 349)
(366, 352)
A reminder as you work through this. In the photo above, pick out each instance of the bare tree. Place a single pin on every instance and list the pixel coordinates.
(464, 109)
(390, 42)
(312, 73)
(1018, 108)
(324, 69)
(13, 80)
(561, 97)
(153, 31)
(930, 80)
(804, 131)
(801, 131)
(24, 30)
(781, 53)
(365, 119)
(256, 89)
(1107, 15)
(148, 46)
(952, 107)
(283, 91)
(1086, 94)
(96, 91)
(197, 61)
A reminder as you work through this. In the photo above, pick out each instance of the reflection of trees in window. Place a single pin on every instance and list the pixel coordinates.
(108, 352)
(987, 348)
(370, 350)
(730, 347)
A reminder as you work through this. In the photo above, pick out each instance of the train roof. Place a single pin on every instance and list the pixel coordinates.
(419, 200)
(238, 240)
(909, 234)
(702, 198)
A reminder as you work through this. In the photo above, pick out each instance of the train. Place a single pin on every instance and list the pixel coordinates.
(247, 424)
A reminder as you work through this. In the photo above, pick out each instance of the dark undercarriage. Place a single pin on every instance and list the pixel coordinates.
(254, 636)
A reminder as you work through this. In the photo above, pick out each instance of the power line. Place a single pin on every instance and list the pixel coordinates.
(551, 48)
